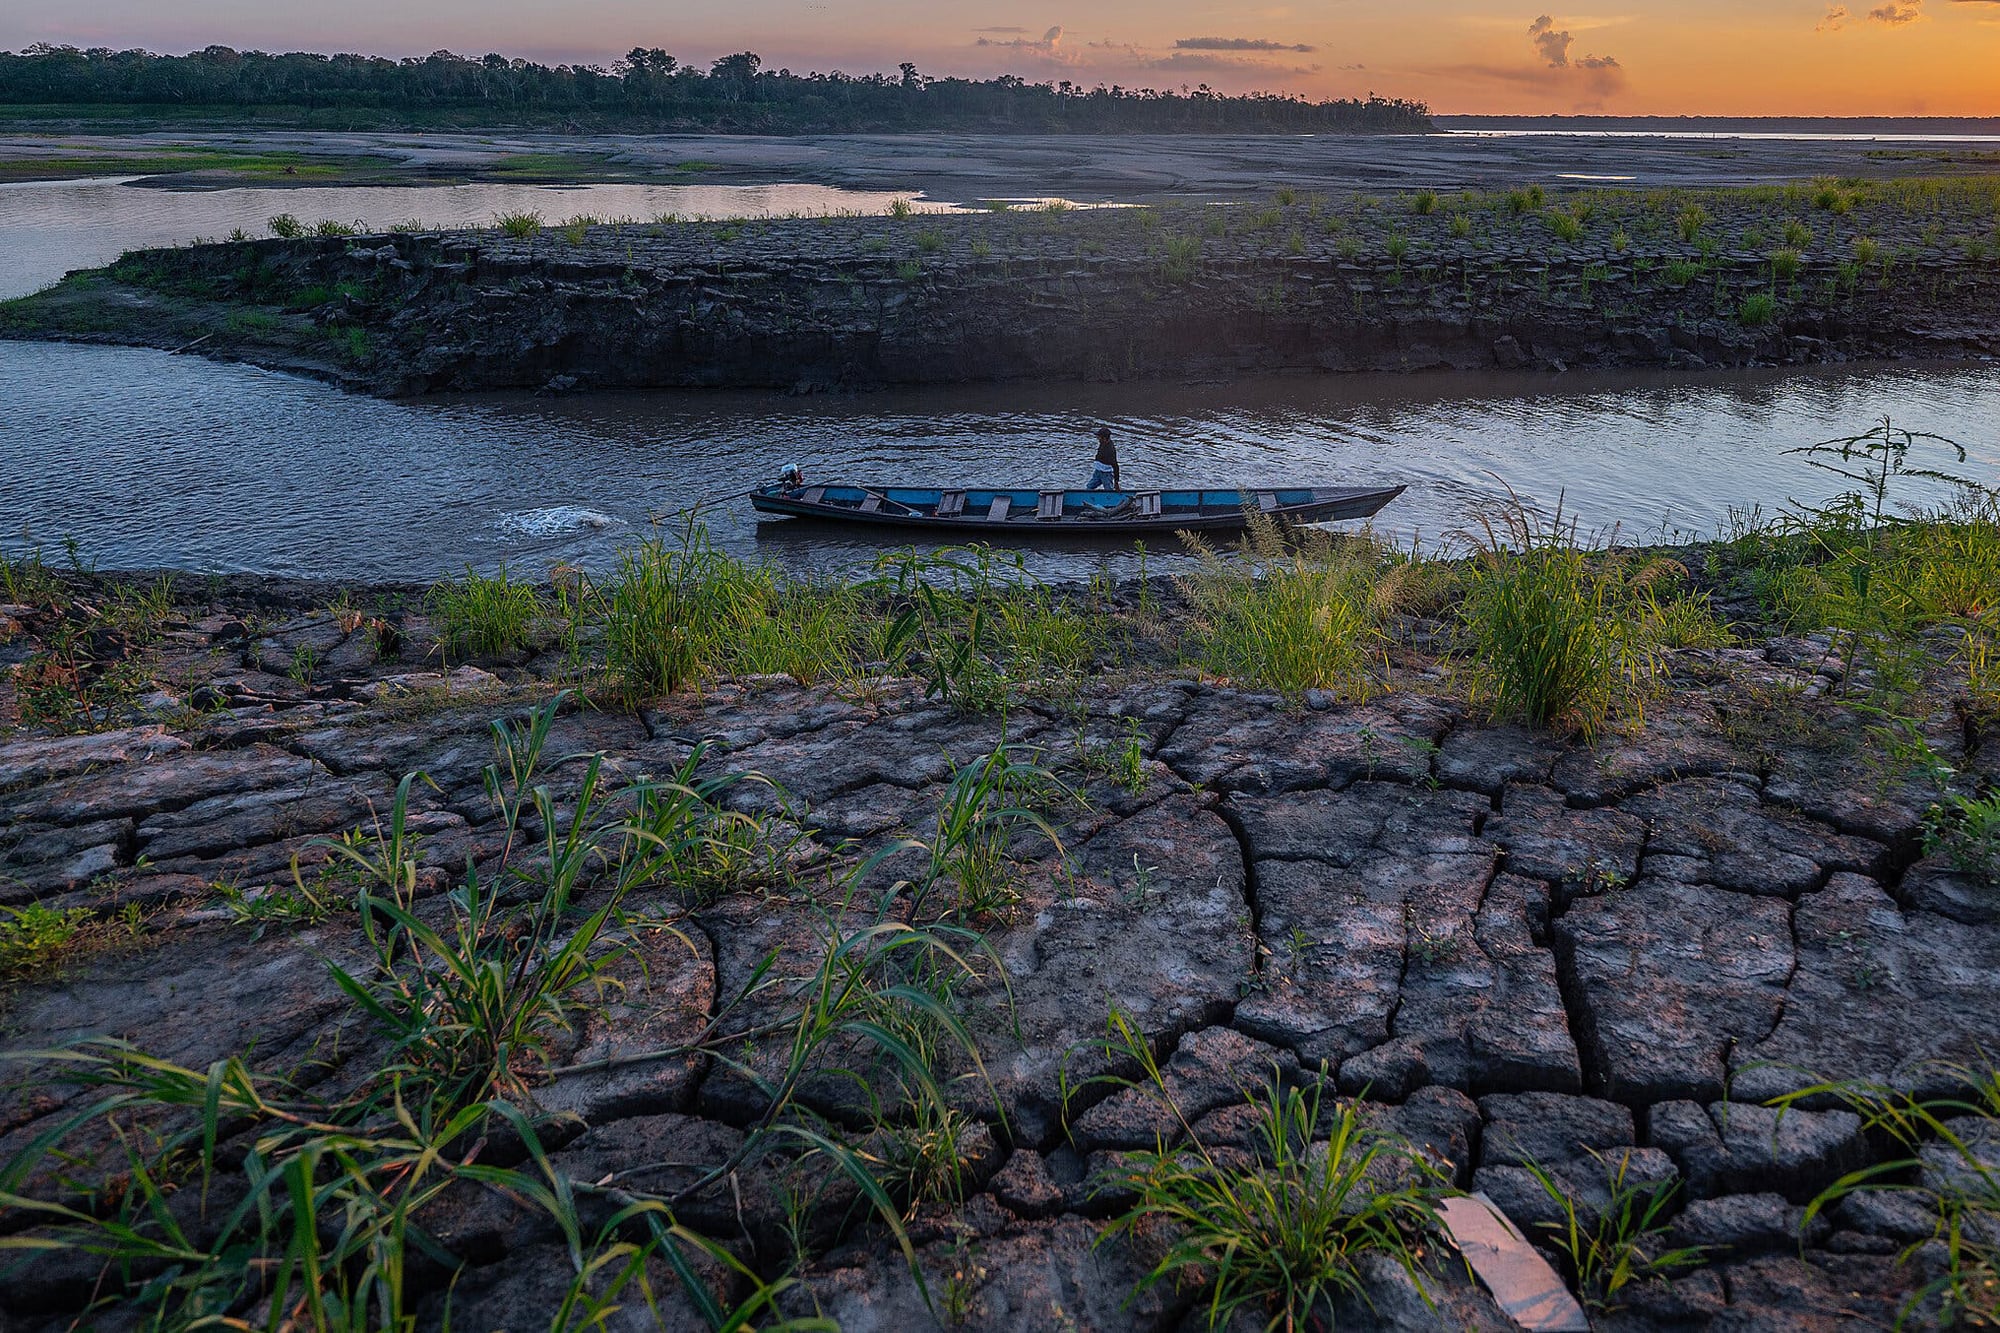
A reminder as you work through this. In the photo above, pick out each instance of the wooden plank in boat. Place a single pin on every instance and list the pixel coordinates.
(815, 495)
(1051, 505)
(871, 504)
(1149, 504)
(997, 511)
(1267, 500)
(951, 504)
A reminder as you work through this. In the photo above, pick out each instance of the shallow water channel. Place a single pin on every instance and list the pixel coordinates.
(152, 460)
(50, 227)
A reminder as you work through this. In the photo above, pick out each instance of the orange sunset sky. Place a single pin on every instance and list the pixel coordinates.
(1701, 57)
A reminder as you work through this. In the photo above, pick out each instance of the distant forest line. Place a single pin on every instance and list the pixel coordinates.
(1724, 124)
(651, 89)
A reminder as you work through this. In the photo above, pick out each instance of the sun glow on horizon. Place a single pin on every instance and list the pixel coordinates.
(1707, 57)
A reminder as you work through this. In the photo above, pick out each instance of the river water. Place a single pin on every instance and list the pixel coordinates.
(50, 227)
(152, 460)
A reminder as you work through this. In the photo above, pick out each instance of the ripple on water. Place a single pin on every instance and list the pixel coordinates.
(555, 521)
(158, 461)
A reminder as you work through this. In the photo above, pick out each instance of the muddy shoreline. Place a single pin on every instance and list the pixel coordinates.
(1791, 275)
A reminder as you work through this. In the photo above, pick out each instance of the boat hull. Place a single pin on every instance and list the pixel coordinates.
(1080, 513)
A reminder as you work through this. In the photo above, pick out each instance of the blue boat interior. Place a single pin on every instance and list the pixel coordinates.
(978, 500)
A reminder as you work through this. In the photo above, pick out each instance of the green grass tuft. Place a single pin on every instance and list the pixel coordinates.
(1566, 635)
(1279, 1237)
(519, 226)
(1293, 615)
(1758, 309)
(484, 616)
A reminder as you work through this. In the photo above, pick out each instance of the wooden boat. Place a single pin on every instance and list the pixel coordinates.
(1019, 512)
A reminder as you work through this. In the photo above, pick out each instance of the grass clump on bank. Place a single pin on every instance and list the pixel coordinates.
(1906, 600)
(485, 615)
(1864, 562)
(519, 226)
(35, 937)
(1564, 636)
(1966, 832)
(665, 612)
(679, 612)
(29, 580)
(1293, 614)
(1880, 575)
(973, 624)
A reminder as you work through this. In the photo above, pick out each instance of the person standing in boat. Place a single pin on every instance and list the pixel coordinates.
(1104, 473)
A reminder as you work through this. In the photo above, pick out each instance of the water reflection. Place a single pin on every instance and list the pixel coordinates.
(50, 227)
(155, 460)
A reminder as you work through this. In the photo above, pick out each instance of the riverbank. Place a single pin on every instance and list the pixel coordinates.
(1800, 274)
(959, 167)
(172, 162)
(1004, 851)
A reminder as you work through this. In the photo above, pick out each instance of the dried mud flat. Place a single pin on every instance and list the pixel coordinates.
(1084, 166)
(1513, 949)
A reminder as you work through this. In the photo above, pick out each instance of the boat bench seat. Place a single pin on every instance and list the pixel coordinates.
(871, 504)
(1148, 503)
(997, 511)
(951, 504)
(1267, 500)
(1051, 505)
(814, 496)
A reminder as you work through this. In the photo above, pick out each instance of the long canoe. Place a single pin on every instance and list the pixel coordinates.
(1020, 512)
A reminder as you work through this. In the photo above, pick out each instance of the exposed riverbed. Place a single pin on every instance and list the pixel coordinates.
(1510, 947)
(1807, 275)
(1123, 166)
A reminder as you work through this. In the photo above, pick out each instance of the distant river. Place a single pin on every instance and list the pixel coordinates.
(156, 460)
(50, 227)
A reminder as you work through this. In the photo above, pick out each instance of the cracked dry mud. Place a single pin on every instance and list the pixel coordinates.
(1514, 949)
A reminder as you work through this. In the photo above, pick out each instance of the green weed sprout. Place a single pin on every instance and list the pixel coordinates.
(1607, 1249)
(1281, 1238)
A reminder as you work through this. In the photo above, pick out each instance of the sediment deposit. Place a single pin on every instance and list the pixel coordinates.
(1773, 276)
(1515, 949)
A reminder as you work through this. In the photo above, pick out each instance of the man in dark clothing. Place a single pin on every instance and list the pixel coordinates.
(1104, 474)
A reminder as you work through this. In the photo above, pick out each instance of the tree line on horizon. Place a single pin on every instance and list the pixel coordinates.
(649, 86)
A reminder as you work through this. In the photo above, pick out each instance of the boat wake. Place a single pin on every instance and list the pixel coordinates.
(558, 521)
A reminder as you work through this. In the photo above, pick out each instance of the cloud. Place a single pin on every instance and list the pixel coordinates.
(1586, 80)
(1588, 84)
(1835, 20)
(1047, 43)
(1590, 77)
(1238, 60)
(1896, 13)
(1205, 62)
(1551, 45)
(1237, 44)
